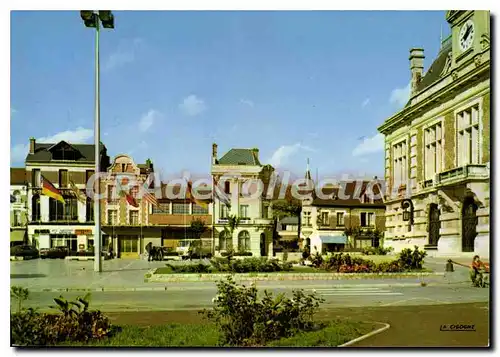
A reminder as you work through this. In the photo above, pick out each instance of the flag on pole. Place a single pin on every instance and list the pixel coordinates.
(79, 196)
(150, 198)
(190, 197)
(131, 200)
(48, 189)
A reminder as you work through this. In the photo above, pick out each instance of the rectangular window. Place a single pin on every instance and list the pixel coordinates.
(224, 211)
(163, 208)
(197, 209)
(35, 178)
(227, 187)
(324, 219)
(112, 216)
(134, 191)
(340, 218)
(89, 213)
(111, 195)
(88, 175)
(363, 219)
(307, 219)
(370, 219)
(399, 164)
(433, 159)
(468, 136)
(134, 218)
(244, 211)
(63, 178)
(265, 210)
(180, 208)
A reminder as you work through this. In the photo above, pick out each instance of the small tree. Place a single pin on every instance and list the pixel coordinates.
(232, 223)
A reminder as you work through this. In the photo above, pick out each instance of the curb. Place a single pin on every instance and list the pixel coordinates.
(194, 277)
(361, 338)
(117, 289)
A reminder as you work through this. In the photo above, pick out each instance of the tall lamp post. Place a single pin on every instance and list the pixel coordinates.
(93, 18)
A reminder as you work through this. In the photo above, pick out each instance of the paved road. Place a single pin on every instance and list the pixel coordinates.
(122, 275)
(197, 296)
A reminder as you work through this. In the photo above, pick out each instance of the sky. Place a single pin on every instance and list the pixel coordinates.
(297, 85)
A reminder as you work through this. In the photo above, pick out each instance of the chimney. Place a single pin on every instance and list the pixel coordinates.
(416, 68)
(32, 145)
(256, 153)
(214, 153)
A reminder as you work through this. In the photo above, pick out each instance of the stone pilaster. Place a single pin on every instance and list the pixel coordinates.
(450, 237)
(486, 128)
(482, 241)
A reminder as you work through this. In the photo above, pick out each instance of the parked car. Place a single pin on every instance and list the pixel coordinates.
(25, 251)
(54, 253)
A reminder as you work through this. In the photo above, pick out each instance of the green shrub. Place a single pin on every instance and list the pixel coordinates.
(412, 260)
(249, 265)
(190, 268)
(316, 260)
(376, 250)
(73, 323)
(243, 320)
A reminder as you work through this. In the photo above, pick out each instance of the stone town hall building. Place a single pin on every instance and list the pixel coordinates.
(437, 148)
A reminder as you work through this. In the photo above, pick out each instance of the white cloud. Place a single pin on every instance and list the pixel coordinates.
(148, 119)
(192, 105)
(370, 145)
(247, 102)
(125, 53)
(365, 102)
(284, 152)
(78, 136)
(400, 96)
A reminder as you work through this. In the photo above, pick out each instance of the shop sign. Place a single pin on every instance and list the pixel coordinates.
(83, 232)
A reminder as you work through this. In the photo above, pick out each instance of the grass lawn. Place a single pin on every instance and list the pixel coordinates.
(207, 335)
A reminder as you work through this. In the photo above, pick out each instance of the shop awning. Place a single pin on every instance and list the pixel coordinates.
(340, 239)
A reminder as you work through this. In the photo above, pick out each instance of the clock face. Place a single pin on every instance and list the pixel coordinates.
(466, 35)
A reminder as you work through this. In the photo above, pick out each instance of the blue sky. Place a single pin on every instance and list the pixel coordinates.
(294, 84)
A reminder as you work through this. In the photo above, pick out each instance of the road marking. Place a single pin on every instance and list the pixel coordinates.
(368, 293)
(416, 298)
(356, 292)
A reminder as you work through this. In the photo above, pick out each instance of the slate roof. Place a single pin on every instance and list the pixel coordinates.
(17, 176)
(42, 154)
(352, 194)
(433, 74)
(240, 157)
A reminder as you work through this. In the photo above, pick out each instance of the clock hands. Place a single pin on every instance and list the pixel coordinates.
(467, 32)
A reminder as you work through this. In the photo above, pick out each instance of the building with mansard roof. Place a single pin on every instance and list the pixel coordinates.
(437, 148)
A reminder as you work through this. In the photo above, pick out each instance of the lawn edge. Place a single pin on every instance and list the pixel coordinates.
(369, 334)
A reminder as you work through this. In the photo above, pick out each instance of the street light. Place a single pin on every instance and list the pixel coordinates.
(91, 18)
(407, 215)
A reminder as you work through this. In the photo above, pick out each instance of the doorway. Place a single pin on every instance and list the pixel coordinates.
(129, 247)
(469, 223)
(434, 224)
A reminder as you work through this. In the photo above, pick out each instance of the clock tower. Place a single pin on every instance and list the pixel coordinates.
(470, 32)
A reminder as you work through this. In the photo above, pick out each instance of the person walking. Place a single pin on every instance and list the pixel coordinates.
(476, 271)
(149, 250)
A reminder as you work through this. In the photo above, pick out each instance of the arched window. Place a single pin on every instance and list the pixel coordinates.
(224, 240)
(35, 208)
(17, 195)
(244, 241)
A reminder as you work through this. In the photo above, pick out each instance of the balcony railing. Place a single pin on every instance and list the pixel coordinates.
(464, 172)
(65, 218)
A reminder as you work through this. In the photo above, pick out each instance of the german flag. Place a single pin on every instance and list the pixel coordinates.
(190, 197)
(48, 189)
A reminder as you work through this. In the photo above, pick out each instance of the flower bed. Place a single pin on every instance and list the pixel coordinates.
(225, 265)
(407, 260)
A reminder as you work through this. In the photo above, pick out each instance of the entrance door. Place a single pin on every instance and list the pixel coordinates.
(263, 245)
(434, 224)
(129, 247)
(469, 223)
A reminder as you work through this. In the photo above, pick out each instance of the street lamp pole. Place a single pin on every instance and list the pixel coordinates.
(93, 19)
